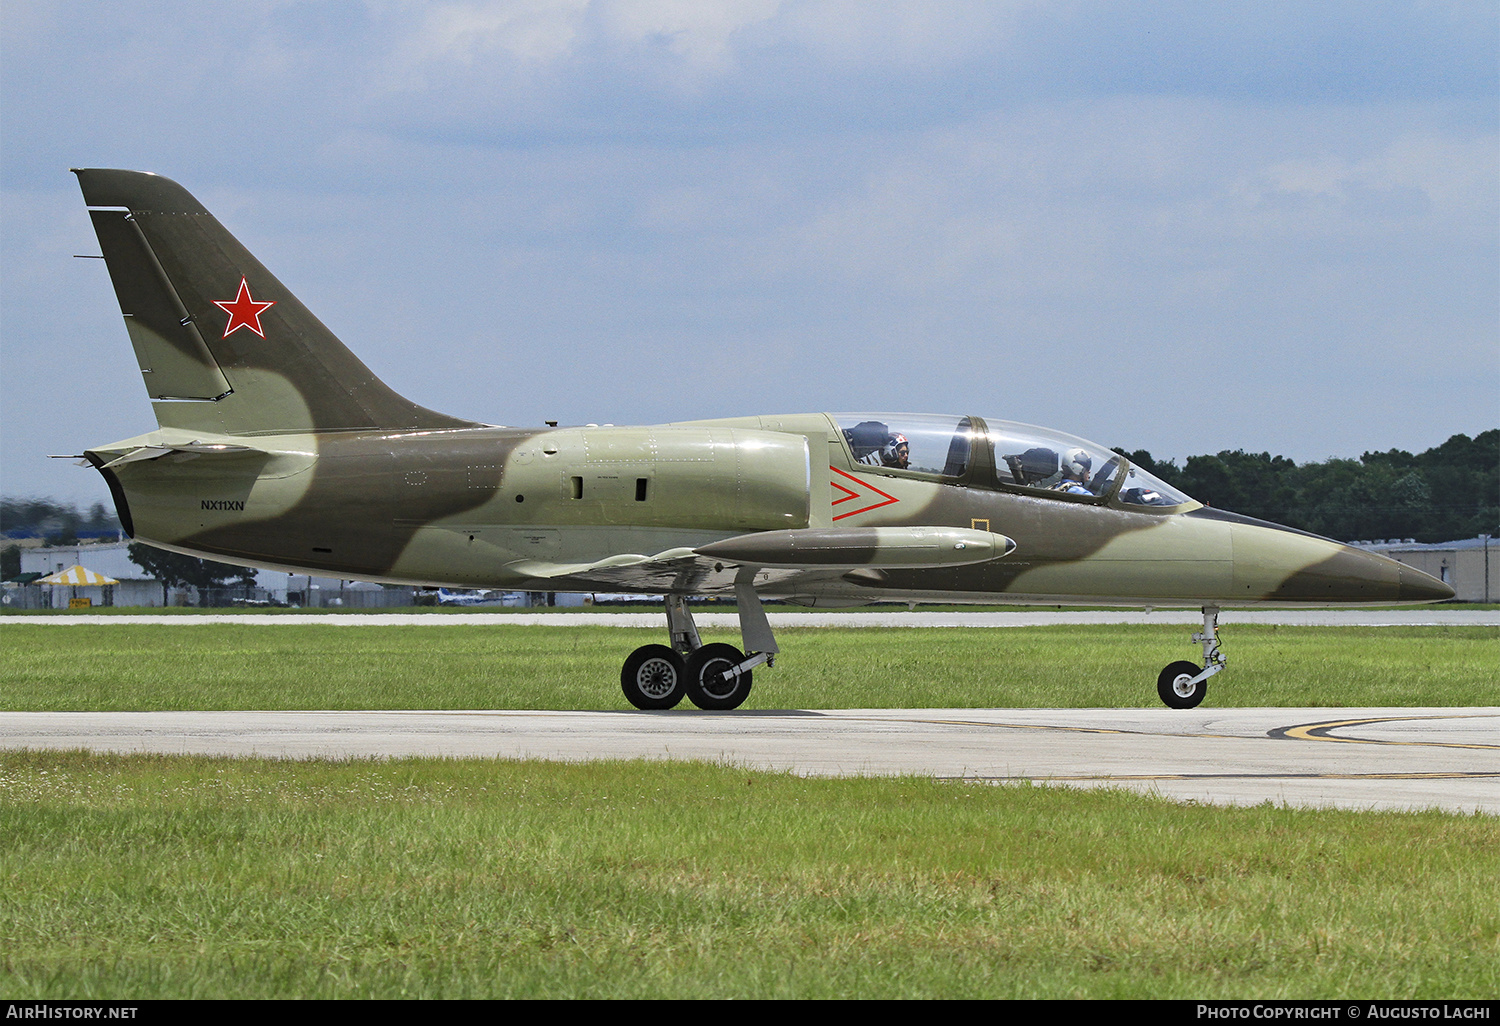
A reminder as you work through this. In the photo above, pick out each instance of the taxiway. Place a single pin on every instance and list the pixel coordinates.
(1441, 758)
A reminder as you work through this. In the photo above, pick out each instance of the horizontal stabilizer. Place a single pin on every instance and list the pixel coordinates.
(153, 452)
(862, 546)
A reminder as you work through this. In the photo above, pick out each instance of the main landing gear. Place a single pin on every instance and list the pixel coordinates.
(1182, 685)
(715, 676)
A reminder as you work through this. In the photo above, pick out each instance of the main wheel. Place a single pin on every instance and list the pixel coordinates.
(1175, 689)
(653, 677)
(706, 686)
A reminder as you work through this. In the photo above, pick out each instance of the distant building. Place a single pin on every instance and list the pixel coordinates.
(1470, 567)
(272, 587)
(107, 558)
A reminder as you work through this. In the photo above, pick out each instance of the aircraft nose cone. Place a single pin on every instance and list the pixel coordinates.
(1282, 565)
(1355, 575)
(1419, 587)
(1345, 574)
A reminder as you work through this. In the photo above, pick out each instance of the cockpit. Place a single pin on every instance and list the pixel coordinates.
(1003, 455)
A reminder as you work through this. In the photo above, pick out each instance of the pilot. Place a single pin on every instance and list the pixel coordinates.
(1076, 465)
(897, 453)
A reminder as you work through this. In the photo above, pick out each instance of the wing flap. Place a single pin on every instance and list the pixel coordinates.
(676, 570)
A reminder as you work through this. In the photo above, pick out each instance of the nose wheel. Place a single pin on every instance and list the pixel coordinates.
(1182, 685)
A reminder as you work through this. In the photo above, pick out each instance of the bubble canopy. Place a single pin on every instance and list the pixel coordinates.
(980, 452)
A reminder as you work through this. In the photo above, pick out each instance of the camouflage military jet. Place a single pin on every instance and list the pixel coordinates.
(276, 447)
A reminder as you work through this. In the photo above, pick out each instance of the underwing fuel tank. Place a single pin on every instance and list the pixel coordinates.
(863, 546)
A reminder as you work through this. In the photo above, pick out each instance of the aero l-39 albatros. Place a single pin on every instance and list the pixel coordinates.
(278, 448)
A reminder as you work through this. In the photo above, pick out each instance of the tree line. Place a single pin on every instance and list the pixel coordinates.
(56, 522)
(1448, 492)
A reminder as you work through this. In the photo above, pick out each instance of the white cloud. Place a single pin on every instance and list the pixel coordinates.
(528, 30)
(543, 32)
(1449, 179)
(702, 34)
(933, 33)
(706, 34)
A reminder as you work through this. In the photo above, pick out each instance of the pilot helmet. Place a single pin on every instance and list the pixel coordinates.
(888, 454)
(1076, 463)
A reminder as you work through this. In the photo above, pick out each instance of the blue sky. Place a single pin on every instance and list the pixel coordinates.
(1173, 226)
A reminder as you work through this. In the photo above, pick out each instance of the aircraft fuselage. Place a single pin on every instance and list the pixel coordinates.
(626, 508)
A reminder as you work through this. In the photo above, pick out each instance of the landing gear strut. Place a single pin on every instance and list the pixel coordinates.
(715, 676)
(1182, 685)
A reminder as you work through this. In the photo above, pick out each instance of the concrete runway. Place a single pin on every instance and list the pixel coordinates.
(1348, 758)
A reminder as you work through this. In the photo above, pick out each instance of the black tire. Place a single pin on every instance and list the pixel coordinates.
(1170, 685)
(706, 688)
(653, 677)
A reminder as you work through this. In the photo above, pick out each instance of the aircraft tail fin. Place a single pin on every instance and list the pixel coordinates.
(223, 346)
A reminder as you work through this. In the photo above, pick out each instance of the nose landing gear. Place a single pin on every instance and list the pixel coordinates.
(1182, 685)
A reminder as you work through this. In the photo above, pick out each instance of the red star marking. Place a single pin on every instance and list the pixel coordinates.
(860, 493)
(244, 312)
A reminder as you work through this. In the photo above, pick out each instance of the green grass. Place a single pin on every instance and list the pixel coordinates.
(231, 666)
(159, 877)
(132, 877)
